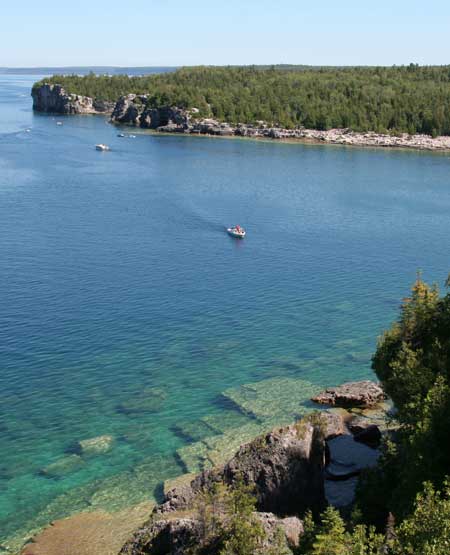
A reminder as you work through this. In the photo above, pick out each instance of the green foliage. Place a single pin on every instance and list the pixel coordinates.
(398, 99)
(413, 363)
(228, 523)
(329, 537)
(243, 533)
(427, 530)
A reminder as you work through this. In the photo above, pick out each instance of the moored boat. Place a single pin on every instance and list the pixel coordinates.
(102, 147)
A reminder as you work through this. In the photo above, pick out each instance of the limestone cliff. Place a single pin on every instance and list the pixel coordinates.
(131, 109)
(54, 99)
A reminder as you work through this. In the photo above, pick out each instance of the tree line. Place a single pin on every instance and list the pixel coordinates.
(412, 99)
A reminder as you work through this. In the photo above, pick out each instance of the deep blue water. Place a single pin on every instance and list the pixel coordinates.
(117, 277)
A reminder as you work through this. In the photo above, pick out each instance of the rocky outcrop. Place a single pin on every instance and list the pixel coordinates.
(177, 536)
(164, 537)
(285, 470)
(352, 394)
(54, 99)
(132, 109)
(291, 526)
(128, 109)
(284, 467)
(332, 424)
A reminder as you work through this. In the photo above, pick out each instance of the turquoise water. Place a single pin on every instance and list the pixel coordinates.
(126, 310)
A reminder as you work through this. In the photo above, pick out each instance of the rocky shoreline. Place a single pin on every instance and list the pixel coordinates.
(293, 468)
(131, 110)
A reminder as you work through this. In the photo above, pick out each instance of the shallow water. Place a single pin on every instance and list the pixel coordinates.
(120, 286)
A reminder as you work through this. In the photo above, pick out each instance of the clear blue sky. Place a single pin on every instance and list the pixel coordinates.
(183, 32)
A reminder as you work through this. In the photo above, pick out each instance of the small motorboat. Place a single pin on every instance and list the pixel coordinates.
(59, 123)
(121, 135)
(236, 231)
(102, 147)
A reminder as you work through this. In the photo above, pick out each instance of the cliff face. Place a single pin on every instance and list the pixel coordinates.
(131, 110)
(55, 99)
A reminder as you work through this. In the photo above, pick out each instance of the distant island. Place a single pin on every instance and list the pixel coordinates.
(404, 106)
(85, 70)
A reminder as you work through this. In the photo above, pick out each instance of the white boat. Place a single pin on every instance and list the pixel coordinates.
(59, 123)
(102, 147)
(236, 231)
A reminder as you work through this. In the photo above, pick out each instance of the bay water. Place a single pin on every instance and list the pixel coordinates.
(126, 310)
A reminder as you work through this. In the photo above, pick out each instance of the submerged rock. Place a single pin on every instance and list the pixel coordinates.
(151, 399)
(281, 398)
(88, 533)
(95, 445)
(62, 466)
(352, 394)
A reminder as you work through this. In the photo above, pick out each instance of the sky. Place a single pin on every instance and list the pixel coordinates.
(219, 32)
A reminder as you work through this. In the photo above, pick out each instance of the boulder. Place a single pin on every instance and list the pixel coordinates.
(358, 424)
(352, 394)
(292, 528)
(332, 424)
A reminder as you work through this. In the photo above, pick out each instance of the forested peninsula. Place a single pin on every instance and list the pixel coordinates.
(407, 99)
